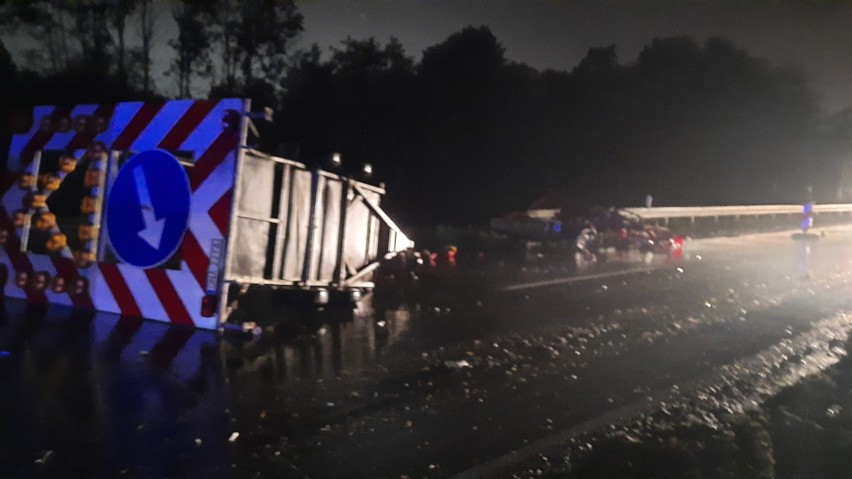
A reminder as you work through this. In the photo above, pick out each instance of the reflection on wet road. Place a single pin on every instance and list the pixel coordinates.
(85, 395)
(427, 385)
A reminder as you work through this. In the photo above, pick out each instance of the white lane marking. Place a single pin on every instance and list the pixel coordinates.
(812, 345)
(574, 279)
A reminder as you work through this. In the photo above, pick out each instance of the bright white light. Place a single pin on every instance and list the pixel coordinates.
(321, 297)
(367, 169)
(335, 158)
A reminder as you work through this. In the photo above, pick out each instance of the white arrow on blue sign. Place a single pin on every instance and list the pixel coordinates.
(148, 209)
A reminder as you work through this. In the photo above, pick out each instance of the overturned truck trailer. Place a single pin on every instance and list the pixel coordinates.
(158, 210)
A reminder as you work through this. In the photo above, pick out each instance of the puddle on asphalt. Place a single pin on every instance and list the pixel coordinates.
(94, 394)
(97, 395)
(328, 347)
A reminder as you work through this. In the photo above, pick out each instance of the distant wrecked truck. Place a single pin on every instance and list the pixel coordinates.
(557, 223)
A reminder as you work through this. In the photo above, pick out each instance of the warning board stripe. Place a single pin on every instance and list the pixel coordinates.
(41, 137)
(219, 212)
(66, 268)
(188, 122)
(218, 183)
(120, 290)
(84, 138)
(43, 264)
(122, 115)
(224, 144)
(177, 125)
(19, 142)
(60, 139)
(160, 126)
(137, 125)
(168, 297)
(36, 139)
(195, 258)
(200, 139)
(20, 261)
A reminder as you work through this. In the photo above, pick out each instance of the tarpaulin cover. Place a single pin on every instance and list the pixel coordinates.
(283, 212)
(257, 242)
(299, 208)
(249, 250)
(252, 235)
(361, 233)
(326, 249)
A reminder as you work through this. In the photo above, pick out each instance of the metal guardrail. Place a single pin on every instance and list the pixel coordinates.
(665, 212)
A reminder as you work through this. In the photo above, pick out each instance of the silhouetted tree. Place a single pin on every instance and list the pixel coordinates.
(373, 86)
(468, 103)
(7, 70)
(465, 134)
(255, 40)
(90, 20)
(192, 45)
(357, 103)
(308, 106)
(121, 9)
(147, 20)
(714, 116)
(46, 22)
(71, 34)
(8, 84)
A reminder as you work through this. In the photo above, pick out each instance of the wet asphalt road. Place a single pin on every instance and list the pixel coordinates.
(467, 375)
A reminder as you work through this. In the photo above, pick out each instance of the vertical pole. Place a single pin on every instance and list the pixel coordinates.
(270, 263)
(369, 243)
(291, 173)
(109, 177)
(392, 238)
(97, 218)
(284, 221)
(232, 215)
(322, 215)
(312, 226)
(25, 233)
(339, 270)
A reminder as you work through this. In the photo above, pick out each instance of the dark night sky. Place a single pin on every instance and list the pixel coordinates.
(815, 36)
(768, 130)
(547, 34)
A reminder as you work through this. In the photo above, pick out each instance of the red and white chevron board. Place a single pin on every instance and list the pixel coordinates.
(209, 130)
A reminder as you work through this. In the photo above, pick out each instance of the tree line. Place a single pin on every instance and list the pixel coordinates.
(463, 133)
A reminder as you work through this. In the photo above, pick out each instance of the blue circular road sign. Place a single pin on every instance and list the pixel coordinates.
(148, 209)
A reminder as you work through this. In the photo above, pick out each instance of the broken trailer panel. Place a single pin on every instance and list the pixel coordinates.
(156, 210)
